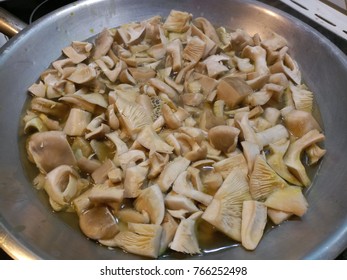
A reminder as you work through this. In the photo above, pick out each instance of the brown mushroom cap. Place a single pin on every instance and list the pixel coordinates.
(98, 223)
(233, 90)
(50, 149)
(223, 137)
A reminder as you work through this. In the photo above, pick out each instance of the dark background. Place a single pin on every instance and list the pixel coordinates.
(31, 10)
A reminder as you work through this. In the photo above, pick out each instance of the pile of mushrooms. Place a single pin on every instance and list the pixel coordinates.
(162, 124)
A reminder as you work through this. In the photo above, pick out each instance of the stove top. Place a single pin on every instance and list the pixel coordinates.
(31, 10)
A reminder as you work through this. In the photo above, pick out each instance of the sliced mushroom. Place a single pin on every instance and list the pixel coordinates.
(102, 44)
(171, 172)
(278, 216)
(134, 179)
(225, 210)
(151, 200)
(224, 138)
(233, 91)
(82, 74)
(264, 180)
(254, 218)
(275, 160)
(101, 194)
(61, 186)
(225, 166)
(185, 239)
(169, 226)
(258, 56)
(300, 122)
(289, 199)
(184, 187)
(194, 49)
(49, 150)
(77, 122)
(292, 157)
(177, 21)
(314, 153)
(175, 201)
(129, 215)
(149, 139)
(98, 223)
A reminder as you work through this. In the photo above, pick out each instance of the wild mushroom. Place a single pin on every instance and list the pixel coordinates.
(314, 153)
(300, 122)
(194, 49)
(140, 239)
(254, 218)
(258, 56)
(98, 223)
(271, 135)
(151, 200)
(225, 210)
(82, 74)
(215, 66)
(157, 163)
(100, 175)
(49, 150)
(134, 179)
(233, 91)
(289, 67)
(289, 199)
(223, 138)
(208, 29)
(101, 194)
(250, 152)
(62, 186)
(303, 98)
(185, 239)
(278, 216)
(102, 44)
(276, 162)
(225, 166)
(77, 122)
(263, 180)
(175, 201)
(129, 215)
(163, 87)
(171, 172)
(184, 187)
(169, 226)
(131, 158)
(177, 21)
(132, 34)
(149, 139)
(49, 107)
(292, 157)
(174, 50)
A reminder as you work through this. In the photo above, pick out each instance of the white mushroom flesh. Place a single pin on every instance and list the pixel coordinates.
(163, 125)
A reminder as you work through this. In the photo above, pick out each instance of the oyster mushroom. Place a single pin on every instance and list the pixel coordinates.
(175, 201)
(61, 186)
(257, 55)
(171, 172)
(132, 34)
(292, 157)
(289, 199)
(131, 158)
(300, 122)
(254, 218)
(278, 216)
(38, 89)
(271, 135)
(225, 166)
(157, 163)
(276, 162)
(303, 98)
(225, 210)
(101, 194)
(169, 226)
(174, 50)
(314, 153)
(103, 44)
(151, 200)
(264, 180)
(49, 107)
(250, 151)
(82, 74)
(149, 139)
(208, 29)
(140, 239)
(77, 122)
(100, 175)
(194, 49)
(185, 239)
(287, 66)
(214, 65)
(233, 91)
(224, 138)
(129, 215)
(134, 179)
(184, 187)
(177, 21)
(49, 150)
(98, 223)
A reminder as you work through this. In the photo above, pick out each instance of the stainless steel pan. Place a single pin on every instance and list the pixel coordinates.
(29, 228)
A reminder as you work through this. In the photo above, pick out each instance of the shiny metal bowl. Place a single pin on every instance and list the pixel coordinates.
(29, 228)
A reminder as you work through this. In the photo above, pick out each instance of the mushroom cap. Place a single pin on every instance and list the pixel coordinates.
(233, 91)
(224, 137)
(49, 150)
(98, 223)
(151, 200)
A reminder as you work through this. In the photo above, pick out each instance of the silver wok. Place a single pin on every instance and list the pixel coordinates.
(29, 228)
